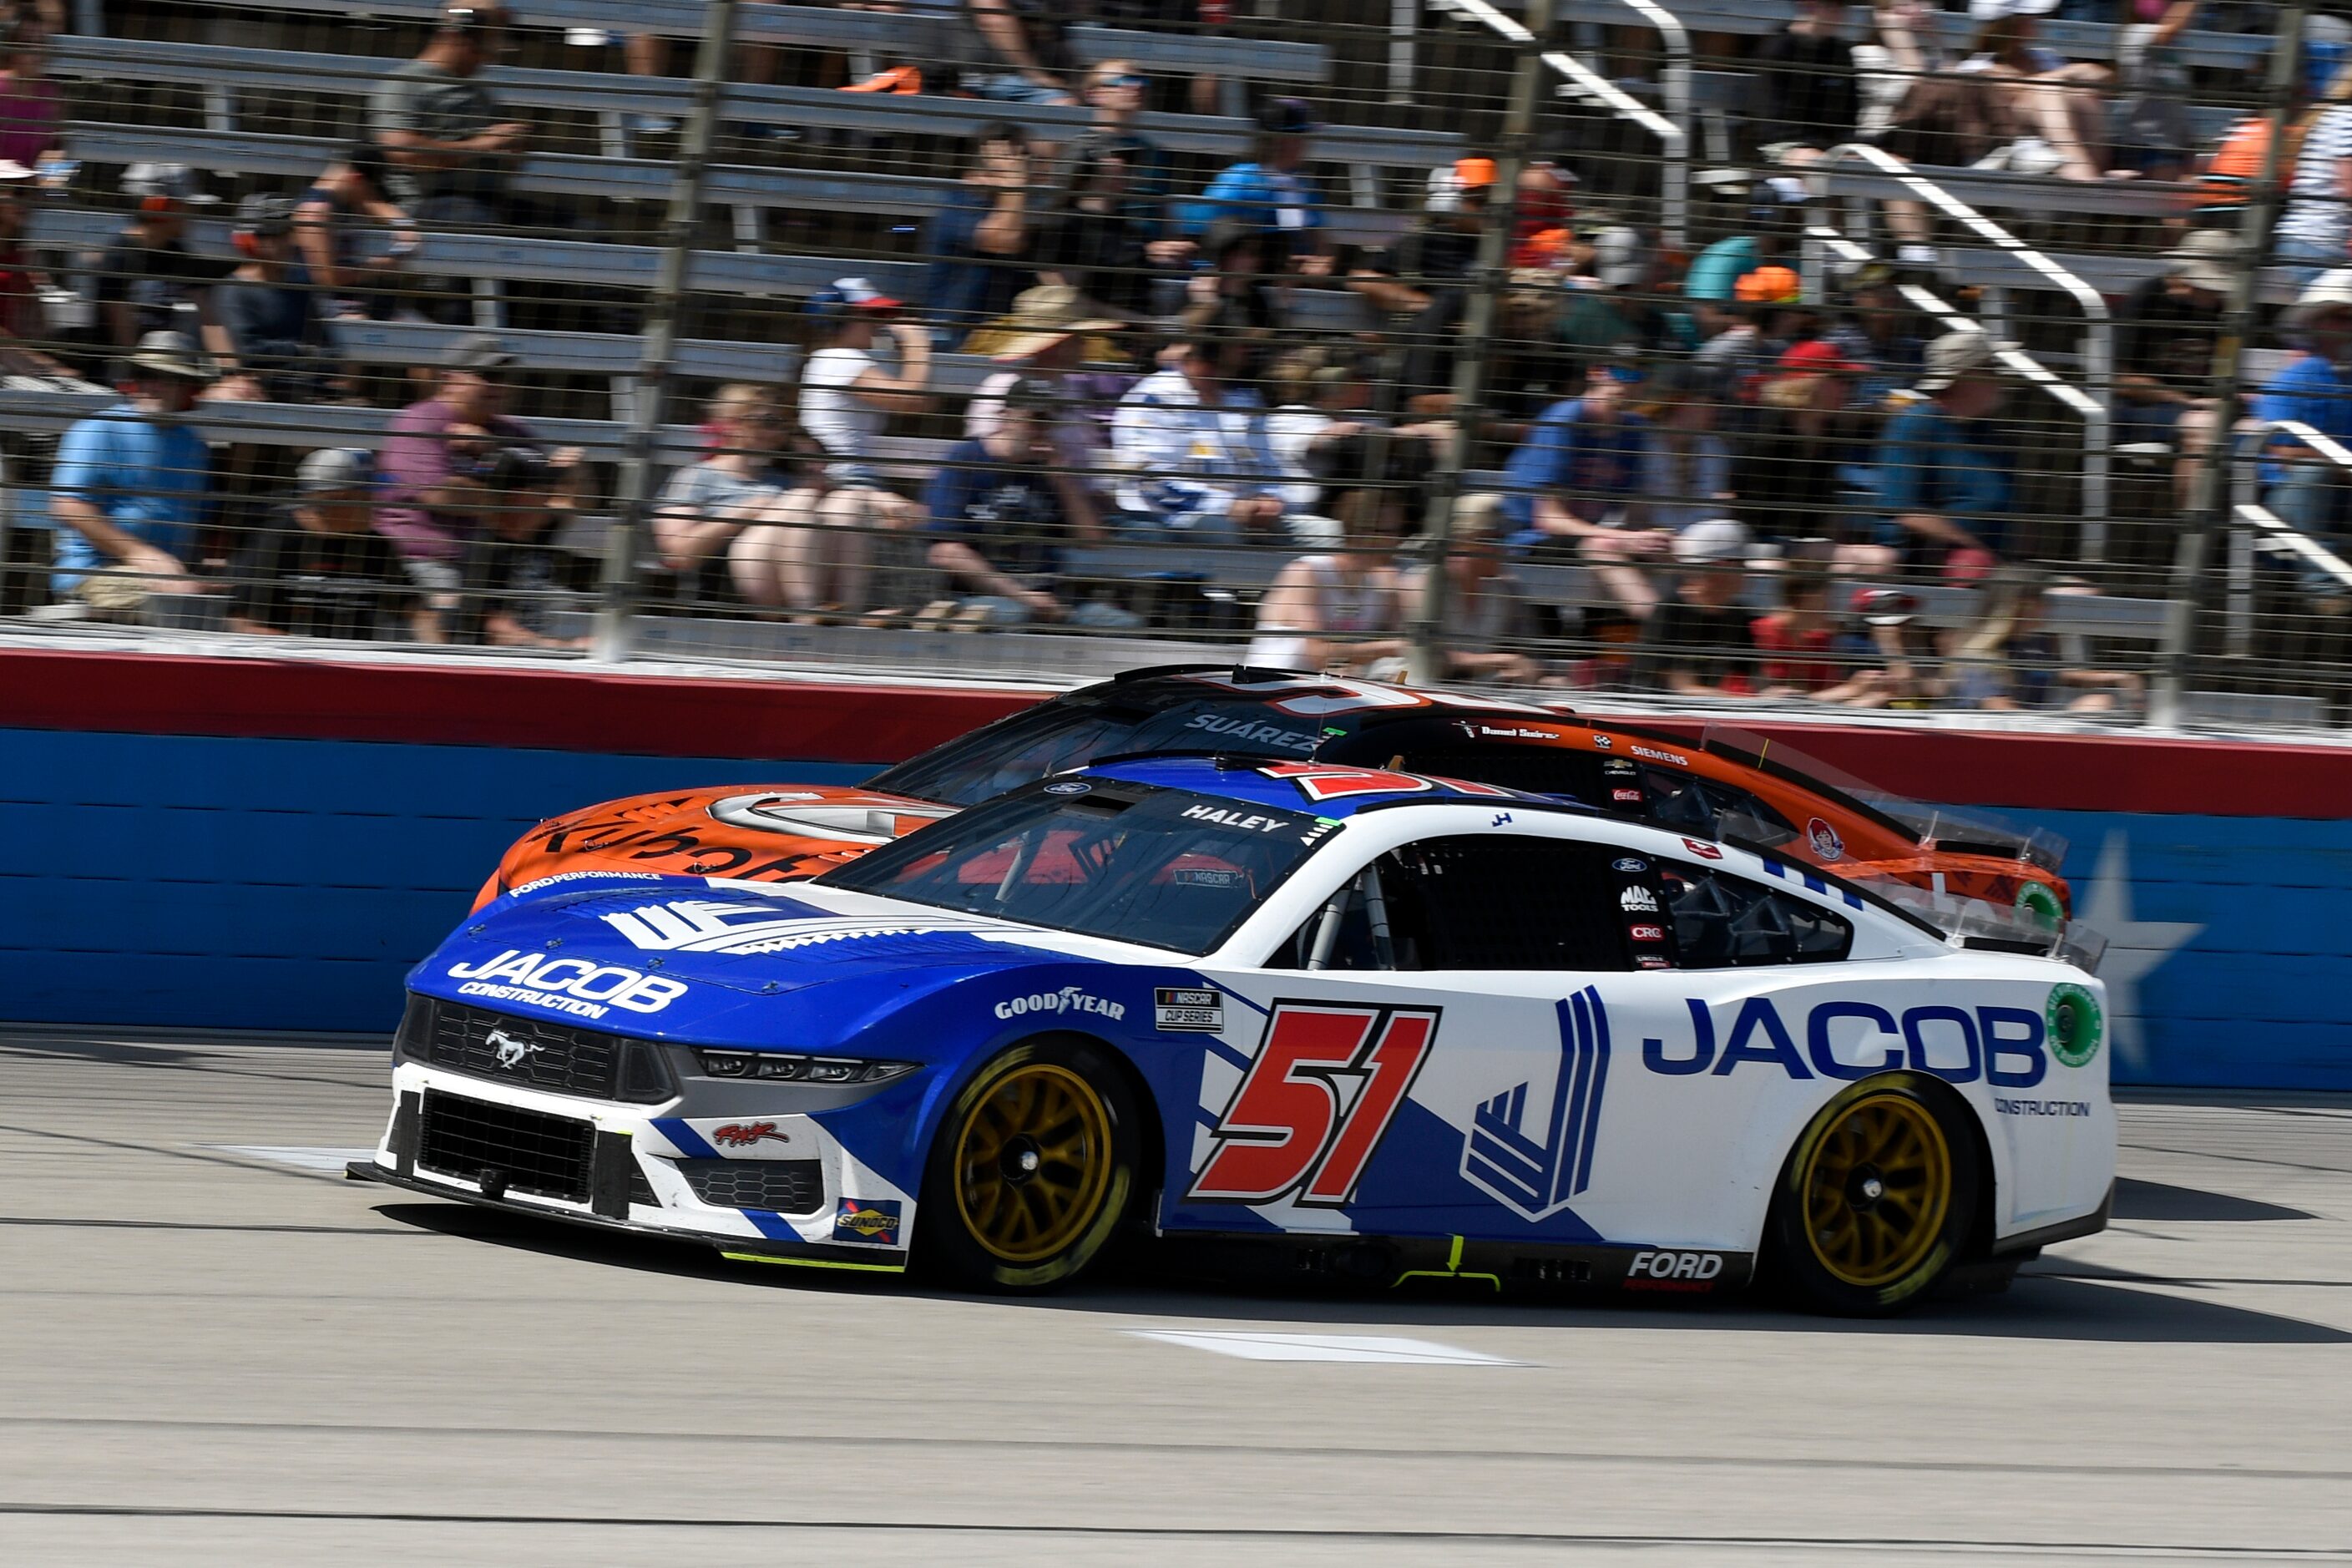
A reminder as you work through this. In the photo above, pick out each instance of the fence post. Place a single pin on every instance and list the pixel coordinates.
(2209, 507)
(1425, 658)
(616, 624)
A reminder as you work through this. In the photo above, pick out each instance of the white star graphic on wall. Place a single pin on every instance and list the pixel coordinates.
(2136, 949)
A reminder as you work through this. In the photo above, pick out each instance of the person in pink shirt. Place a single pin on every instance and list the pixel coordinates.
(32, 114)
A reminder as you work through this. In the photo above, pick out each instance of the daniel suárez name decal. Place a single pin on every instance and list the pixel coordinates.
(579, 986)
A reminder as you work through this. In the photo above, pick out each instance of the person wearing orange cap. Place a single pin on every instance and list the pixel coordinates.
(1419, 283)
(1769, 285)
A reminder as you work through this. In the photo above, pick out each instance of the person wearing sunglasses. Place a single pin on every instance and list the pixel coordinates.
(1115, 92)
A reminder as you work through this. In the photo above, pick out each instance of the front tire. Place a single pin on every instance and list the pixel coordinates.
(1032, 1170)
(1877, 1198)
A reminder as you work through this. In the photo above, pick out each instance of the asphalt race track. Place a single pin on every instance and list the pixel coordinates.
(215, 1355)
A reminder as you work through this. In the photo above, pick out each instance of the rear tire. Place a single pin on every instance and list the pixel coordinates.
(1877, 1198)
(1032, 1170)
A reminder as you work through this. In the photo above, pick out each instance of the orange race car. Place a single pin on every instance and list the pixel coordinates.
(1728, 786)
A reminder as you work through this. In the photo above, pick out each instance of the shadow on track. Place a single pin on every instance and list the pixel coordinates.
(2135, 1199)
(2039, 1306)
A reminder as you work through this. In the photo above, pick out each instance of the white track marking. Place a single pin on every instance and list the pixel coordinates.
(302, 1157)
(1385, 1348)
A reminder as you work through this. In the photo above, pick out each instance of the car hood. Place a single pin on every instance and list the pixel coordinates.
(751, 832)
(718, 962)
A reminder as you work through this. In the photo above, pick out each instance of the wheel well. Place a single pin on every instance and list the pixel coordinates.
(1980, 1241)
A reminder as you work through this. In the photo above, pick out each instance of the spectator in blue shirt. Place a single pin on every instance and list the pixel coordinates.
(2306, 491)
(1944, 474)
(1269, 194)
(1575, 483)
(1000, 515)
(128, 487)
(981, 237)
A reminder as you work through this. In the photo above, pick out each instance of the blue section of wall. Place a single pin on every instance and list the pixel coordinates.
(289, 884)
(268, 884)
(2231, 962)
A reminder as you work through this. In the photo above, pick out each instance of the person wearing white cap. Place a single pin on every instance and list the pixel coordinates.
(2171, 327)
(317, 568)
(2307, 491)
(1699, 642)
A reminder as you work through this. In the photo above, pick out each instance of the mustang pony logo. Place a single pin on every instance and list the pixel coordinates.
(510, 1050)
(1539, 1177)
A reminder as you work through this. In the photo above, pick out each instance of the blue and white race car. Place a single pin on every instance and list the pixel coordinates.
(1383, 1025)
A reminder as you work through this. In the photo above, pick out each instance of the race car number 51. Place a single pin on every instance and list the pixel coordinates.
(1290, 1128)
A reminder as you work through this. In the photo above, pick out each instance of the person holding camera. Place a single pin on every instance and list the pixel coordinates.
(455, 465)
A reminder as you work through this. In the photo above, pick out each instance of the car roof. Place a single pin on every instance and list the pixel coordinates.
(1326, 790)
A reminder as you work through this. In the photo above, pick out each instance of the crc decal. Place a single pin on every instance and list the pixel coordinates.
(1068, 999)
(710, 925)
(1824, 839)
(869, 1222)
(744, 1134)
(1673, 1270)
(1847, 1039)
(1646, 933)
(1538, 1168)
(2075, 1024)
(1289, 1128)
(579, 986)
(1186, 1011)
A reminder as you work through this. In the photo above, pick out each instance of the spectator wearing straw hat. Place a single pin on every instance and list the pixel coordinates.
(1048, 339)
(318, 568)
(1944, 474)
(130, 486)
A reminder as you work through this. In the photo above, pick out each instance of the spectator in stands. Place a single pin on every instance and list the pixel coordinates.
(318, 568)
(1576, 484)
(1484, 606)
(1097, 244)
(846, 399)
(1686, 467)
(2312, 231)
(1945, 473)
(1788, 472)
(1234, 276)
(1700, 643)
(1615, 308)
(2009, 660)
(280, 345)
(455, 465)
(1269, 192)
(743, 516)
(1345, 609)
(1321, 394)
(452, 146)
(982, 236)
(1419, 283)
(1795, 642)
(2171, 330)
(1531, 368)
(352, 195)
(130, 487)
(2148, 122)
(2306, 491)
(1046, 339)
(1001, 512)
(1192, 448)
(21, 323)
(1027, 59)
(514, 566)
(32, 115)
(2049, 107)
(1876, 327)
(147, 279)
(1806, 100)
(1115, 91)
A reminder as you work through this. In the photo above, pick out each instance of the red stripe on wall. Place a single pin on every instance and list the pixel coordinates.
(656, 715)
(435, 704)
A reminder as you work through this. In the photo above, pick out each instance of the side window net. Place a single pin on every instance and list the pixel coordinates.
(1722, 921)
(1705, 808)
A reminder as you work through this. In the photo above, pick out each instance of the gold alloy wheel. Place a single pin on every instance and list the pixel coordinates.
(1877, 1190)
(1033, 1161)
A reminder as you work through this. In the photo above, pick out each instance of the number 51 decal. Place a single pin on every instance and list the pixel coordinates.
(1294, 1125)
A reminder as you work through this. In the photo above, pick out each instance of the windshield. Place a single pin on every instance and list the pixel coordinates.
(1132, 862)
(1072, 732)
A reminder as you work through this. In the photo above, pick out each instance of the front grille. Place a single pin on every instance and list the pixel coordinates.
(786, 1186)
(534, 1053)
(530, 1150)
